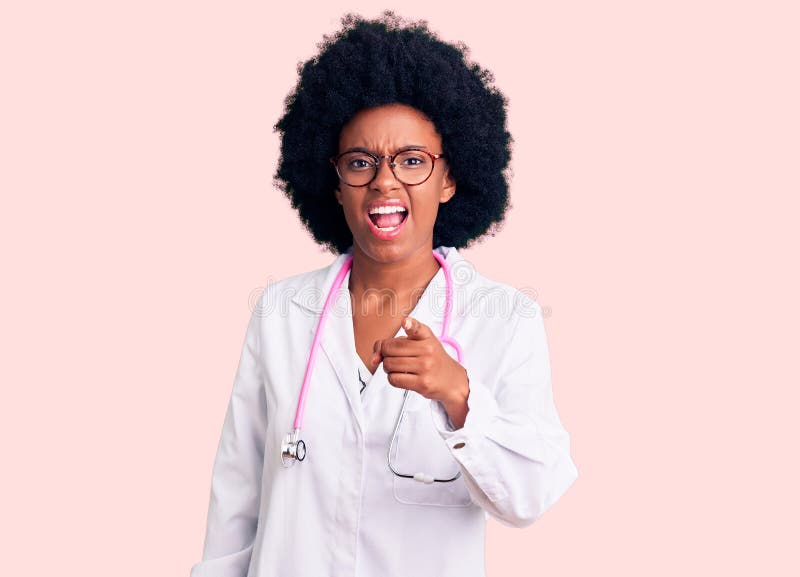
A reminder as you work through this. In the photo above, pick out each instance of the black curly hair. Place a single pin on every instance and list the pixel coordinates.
(374, 62)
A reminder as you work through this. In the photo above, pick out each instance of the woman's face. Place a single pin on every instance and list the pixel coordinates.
(385, 130)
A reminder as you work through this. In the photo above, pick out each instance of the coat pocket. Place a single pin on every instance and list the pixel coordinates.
(418, 448)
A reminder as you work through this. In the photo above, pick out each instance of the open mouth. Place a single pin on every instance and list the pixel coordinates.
(389, 221)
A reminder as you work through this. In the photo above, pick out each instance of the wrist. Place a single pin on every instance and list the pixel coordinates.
(456, 401)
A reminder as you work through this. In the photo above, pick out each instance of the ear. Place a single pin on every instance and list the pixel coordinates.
(338, 193)
(448, 187)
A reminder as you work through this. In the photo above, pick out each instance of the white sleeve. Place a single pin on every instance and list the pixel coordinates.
(236, 477)
(513, 451)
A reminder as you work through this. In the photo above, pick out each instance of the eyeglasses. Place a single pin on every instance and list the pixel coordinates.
(411, 167)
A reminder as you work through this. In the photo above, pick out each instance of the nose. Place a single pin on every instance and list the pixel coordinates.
(384, 177)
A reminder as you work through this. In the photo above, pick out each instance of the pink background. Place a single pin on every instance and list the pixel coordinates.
(655, 215)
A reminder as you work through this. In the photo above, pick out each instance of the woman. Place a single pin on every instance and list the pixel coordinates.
(428, 404)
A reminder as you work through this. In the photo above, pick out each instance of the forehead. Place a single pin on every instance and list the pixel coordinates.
(389, 127)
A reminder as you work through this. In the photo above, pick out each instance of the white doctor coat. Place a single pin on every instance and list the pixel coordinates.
(341, 512)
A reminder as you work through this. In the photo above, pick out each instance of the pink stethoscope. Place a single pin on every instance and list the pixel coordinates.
(293, 448)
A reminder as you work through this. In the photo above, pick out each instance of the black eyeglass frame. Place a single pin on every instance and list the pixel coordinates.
(378, 158)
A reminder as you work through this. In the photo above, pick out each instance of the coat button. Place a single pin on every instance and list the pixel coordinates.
(458, 445)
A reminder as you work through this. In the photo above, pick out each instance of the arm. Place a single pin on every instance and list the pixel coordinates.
(513, 451)
(236, 477)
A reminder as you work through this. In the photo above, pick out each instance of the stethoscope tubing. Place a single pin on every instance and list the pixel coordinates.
(293, 448)
(301, 403)
(421, 477)
(448, 305)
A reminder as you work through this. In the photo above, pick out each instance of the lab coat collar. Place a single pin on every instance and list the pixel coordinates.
(337, 340)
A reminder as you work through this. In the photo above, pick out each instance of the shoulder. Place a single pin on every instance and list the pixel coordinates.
(280, 296)
(493, 299)
(298, 281)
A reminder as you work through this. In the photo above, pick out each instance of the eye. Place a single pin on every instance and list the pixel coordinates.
(412, 159)
(358, 162)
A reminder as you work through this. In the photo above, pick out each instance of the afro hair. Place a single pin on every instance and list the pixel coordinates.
(375, 62)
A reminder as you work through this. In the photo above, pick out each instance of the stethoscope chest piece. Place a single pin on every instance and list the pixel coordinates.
(292, 449)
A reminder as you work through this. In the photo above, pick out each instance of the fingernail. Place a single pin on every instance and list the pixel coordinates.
(407, 323)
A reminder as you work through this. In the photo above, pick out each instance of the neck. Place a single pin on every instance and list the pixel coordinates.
(399, 279)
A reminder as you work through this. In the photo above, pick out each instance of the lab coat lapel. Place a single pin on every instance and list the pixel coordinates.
(338, 345)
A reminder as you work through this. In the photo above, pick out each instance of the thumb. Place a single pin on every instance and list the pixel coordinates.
(415, 329)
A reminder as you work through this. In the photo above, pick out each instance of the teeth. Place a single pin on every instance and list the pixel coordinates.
(387, 210)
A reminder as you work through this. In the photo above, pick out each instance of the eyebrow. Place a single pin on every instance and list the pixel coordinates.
(362, 149)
